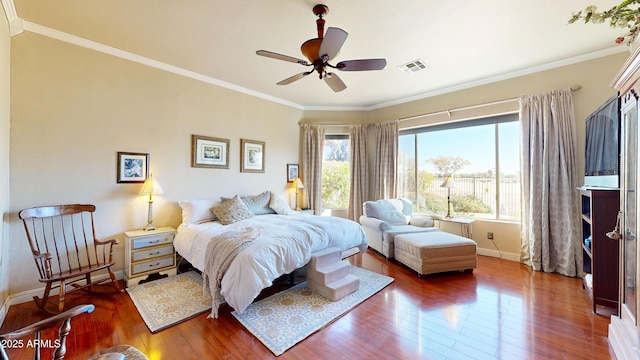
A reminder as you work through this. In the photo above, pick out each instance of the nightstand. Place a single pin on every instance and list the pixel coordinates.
(149, 252)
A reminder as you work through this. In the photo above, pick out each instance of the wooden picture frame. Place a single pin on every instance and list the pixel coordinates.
(209, 152)
(132, 167)
(252, 156)
(293, 172)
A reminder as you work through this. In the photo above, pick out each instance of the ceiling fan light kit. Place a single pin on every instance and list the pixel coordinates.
(319, 51)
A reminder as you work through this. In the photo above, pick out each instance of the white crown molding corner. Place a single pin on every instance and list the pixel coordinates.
(15, 23)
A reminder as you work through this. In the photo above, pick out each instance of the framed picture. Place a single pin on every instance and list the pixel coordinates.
(132, 167)
(292, 172)
(252, 156)
(209, 152)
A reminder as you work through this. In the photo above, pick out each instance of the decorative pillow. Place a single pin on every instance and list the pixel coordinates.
(197, 211)
(231, 211)
(385, 211)
(258, 204)
(279, 205)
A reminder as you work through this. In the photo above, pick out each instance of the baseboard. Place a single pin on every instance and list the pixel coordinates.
(498, 254)
(27, 295)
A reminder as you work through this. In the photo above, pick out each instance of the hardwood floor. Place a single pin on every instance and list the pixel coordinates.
(503, 310)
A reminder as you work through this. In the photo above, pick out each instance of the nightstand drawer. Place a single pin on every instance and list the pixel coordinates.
(151, 265)
(152, 240)
(153, 252)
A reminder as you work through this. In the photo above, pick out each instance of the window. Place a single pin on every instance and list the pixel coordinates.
(482, 155)
(335, 172)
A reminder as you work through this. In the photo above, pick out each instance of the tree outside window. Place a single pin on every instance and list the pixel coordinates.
(335, 172)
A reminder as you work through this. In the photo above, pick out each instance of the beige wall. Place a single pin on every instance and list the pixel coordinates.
(73, 109)
(5, 114)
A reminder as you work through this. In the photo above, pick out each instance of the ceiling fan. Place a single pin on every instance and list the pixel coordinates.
(322, 49)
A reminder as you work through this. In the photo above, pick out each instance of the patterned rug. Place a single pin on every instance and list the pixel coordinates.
(166, 302)
(288, 317)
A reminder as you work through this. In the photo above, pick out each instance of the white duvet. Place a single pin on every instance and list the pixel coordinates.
(286, 244)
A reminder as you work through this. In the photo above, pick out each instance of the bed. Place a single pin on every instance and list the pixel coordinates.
(278, 243)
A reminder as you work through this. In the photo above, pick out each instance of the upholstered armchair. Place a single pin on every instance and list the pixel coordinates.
(382, 220)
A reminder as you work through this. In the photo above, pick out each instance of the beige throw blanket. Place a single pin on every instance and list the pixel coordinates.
(221, 251)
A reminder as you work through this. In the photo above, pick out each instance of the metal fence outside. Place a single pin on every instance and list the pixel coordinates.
(484, 189)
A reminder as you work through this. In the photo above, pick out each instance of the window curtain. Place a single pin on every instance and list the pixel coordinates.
(551, 240)
(359, 173)
(312, 154)
(386, 155)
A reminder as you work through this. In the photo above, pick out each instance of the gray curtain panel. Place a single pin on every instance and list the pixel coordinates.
(359, 170)
(550, 212)
(311, 165)
(386, 158)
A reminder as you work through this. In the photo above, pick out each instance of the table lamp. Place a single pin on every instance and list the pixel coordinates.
(150, 187)
(449, 184)
(297, 183)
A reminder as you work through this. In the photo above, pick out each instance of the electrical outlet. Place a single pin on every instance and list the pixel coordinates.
(490, 235)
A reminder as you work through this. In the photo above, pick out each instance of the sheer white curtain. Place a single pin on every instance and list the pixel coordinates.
(359, 173)
(312, 154)
(386, 152)
(551, 239)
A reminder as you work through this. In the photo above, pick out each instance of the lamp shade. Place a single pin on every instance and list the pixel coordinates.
(298, 183)
(150, 187)
(448, 182)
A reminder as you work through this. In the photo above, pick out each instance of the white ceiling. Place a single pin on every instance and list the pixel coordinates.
(465, 43)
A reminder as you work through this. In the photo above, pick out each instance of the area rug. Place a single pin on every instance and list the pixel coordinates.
(288, 317)
(166, 302)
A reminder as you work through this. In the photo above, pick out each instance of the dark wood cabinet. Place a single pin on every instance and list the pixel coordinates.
(600, 253)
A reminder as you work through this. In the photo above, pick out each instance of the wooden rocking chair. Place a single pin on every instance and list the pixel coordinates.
(65, 249)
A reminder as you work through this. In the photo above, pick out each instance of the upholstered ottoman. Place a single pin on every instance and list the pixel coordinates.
(435, 251)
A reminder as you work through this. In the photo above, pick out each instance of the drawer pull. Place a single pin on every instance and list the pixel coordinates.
(155, 253)
(154, 241)
(152, 265)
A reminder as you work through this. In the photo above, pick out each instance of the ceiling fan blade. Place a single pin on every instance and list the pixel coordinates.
(293, 78)
(277, 56)
(362, 65)
(332, 42)
(334, 82)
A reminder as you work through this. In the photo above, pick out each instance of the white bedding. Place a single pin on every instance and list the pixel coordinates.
(286, 244)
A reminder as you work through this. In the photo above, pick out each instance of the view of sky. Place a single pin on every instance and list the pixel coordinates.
(475, 144)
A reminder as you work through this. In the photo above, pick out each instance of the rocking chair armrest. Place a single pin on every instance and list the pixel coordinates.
(49, 322)
(45, 264)
(105, 242)
(42, 256)
(107, 250)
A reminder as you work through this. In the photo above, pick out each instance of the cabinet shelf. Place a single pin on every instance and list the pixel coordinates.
(601, 258)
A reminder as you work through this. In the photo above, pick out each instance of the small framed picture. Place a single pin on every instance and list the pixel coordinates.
(292, 172)
(132, 167)
(252, 156)
(209, 152)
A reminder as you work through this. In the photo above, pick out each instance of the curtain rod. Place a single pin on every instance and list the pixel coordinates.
(448, 112)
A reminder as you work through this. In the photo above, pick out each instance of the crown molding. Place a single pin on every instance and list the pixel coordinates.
(15, 23)
(89, 44)
(106, 49)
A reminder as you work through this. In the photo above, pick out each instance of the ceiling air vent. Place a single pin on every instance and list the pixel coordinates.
(414, 66)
